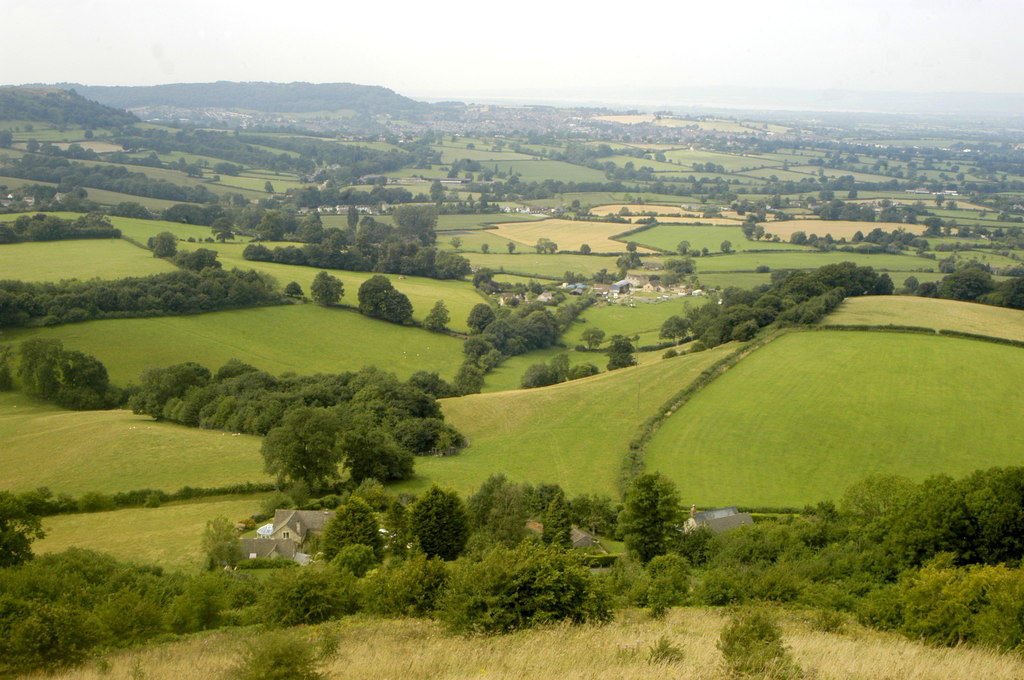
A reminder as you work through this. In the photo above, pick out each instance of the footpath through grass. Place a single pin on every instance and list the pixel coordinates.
(799, 420)
(574, 433)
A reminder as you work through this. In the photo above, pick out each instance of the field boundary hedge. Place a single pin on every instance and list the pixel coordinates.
(921, 330)
(633, 462)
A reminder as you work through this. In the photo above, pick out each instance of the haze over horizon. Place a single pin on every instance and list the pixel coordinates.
(463, 51)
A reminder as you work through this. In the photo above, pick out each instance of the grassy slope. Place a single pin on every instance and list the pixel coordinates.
(113, 451)
(170, 535)
(668, 236)
(799, 420)
(85, 259)
(813, 260)
(930, 313)
(305, 339)
(374, 648)
(574, 433)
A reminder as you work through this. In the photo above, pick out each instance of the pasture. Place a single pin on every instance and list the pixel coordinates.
(837, 228)
(567, 234)
(668, 237)
(111, 451)
(303, 339)
(528, 263)
(966, 317)
(799, 420)
(170, 535)
(747, 261)
(83, 259)
(574, 433)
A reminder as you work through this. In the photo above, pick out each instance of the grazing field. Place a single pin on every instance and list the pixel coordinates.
(112, 451)
(141, 230)
(304, 339)
(574, 433)
(799, 420)
(85, 259)
(645, 319)
(637, 208)
(668, 237)
(170, 535)
(473, 241)
(567, 234)
(459, 222)
(837, 228)
(534, 264)
(538, 171)
(934, 313)
(813, 260)
(417, 649)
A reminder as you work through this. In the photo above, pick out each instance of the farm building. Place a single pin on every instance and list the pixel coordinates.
(718, 520)
(287, 536)
(620, 287)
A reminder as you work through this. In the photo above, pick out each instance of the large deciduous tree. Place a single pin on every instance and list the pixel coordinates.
(439, 521)
(649, 521)
(379, 299)
(304, 447)
(326, 289)
(18, 528)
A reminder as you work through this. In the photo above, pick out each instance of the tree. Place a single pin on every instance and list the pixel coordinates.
(675, 328)
(480, 317)
(369, 451)
(293, 289)
(620, 353)
(593, 337)
(379, 299)
(438, 317)
(352, 218)
(326, 289)
(354, 524)
(484, 248)
(18, 528)
(438, 520)
(557, 525)
(649, 520)
(303, 448)
(220, 543)
(456, 242)
(967, 284)
(683, 247)
(416, 222)
(164, 244)
(511, 247)
(726, 246)
(469, 379)
(585, 248)
(436, 191)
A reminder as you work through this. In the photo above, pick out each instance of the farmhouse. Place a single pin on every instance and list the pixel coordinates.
(620, 287)
(299, 525)
(719, 520)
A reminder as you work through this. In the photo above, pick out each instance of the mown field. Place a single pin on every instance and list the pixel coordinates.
(799, 420)
(85, 259)
(529, 263)
(930, 313)
(837, 228)
(567, 234)
(303, 339)
(111, 451)
(813, 260)
(574, 434)
(373, 648)
(170, 535)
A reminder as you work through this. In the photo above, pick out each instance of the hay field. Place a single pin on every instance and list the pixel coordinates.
(568, 234)
(170, 536)
(84, 259)
(412, 649)
(837, 228)
(799, 420)
(530, 263)
(574, 433)
(671, 210)
(789, 259)
(112, 451)
(304, 339)
(934, 313)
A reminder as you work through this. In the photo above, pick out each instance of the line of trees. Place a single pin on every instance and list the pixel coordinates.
(40, 227)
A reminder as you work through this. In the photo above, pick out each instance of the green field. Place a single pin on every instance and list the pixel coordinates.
(141, 230)
(528, 263)
(645, 319)
(813, 260)
(471, 241)
(799, 420)
(85, 259)
(538, 171)
(934, 313)
(574, 434)
(668, 236)
(304, 339)
(112, 451)
(170, 536)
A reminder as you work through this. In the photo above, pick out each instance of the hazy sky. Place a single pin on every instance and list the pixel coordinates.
(461, 48)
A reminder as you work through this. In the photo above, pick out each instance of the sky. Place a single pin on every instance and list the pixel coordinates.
(461, 49)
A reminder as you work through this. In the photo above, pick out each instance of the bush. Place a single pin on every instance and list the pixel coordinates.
(278, 655)
(356, 558)
(752, 645)
(510, 589)
(312, 595)
(663, 651)
(408, 588)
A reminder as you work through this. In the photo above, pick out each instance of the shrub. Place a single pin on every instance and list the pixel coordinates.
(199, 607)
(408, 588)
(663, 651)
(356, 558)
(752, 645)
(510, 589)
(311, 595)
(278, 655)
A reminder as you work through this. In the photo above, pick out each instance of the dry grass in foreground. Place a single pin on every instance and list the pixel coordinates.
(380, 649)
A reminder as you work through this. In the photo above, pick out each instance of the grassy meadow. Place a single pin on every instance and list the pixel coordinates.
(85, 259)
(934, 313)
(170, 535)
(111, 451)
(567, 234)
(799, 420)
(813, 260)
(837, 228)
(373, 648)
(303, 339)
(574, 433)
(668, 236)
(529, 263)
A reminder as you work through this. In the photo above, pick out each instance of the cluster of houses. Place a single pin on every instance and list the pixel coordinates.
(291, 535)
(646, 283)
